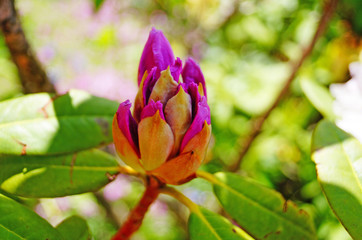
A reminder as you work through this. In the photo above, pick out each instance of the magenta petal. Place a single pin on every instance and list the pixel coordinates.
(192, 73)
(157, 53)
(193, 91)
(148, 85)
(176, 69)
(151, 109)
(202, 114)
(127, 124)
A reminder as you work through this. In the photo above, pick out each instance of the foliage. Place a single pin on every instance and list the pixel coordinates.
(338, 158)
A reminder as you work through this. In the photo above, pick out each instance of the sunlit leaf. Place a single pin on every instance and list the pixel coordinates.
(338, 158)
(74, 228)
(18, 222)
(207, 225)
(39, 124)
(260, 211)
(55, 176)
(320, 97)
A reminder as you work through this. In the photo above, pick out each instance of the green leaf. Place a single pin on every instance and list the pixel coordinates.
(56, 176)
(28, 202)
(39, 124)
(18, 222)
(320, 97)
(261, 212)
(74, 228)
(338, 158)
(98, 4)
(206, 225)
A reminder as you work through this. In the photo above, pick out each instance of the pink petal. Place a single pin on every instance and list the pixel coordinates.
(157, 53)
(192, 73)
(151, 109)
(176, 69)
(202, 115)
(127, 124)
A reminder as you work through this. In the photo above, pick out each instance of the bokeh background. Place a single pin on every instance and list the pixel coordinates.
(245, 49)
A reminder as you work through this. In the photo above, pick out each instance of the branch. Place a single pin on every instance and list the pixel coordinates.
(105, 204)
(32, 76)
(259, 121)
(136, 216)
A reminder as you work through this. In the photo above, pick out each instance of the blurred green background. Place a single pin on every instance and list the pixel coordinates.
(245, 49)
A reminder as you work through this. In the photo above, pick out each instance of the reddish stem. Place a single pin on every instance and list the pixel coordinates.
(136, 216)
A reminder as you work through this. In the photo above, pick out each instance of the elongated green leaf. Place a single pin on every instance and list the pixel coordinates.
(55, 176)
(338, 158)
(28, 202)
(206, 225)
(18, 222)
(74, 228)
(320, 97)
(39, 124)
(260, 211)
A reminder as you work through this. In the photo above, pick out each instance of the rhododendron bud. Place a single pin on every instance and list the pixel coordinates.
(168, 133)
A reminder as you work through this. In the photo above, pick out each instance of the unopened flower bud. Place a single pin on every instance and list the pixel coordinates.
(168, 134)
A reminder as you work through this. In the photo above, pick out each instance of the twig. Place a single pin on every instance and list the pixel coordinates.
(105, 204)
(259, 121)
(32, 76)
(136, 216)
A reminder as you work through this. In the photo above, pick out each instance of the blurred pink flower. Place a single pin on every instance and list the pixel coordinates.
(348, 103)
(158, 209)
(63, 203)
(46, 53)
(117, 189)
(40, 211)
(109, 12)
(81, 10)
(107, 83)
(88, 208)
